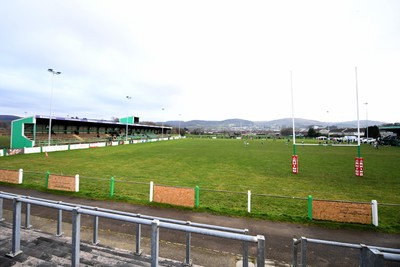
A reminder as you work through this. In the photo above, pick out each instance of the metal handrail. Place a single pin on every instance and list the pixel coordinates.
(208, 226)
(155, 224)
(367, 253)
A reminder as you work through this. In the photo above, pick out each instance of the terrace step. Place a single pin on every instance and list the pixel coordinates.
(43, 249)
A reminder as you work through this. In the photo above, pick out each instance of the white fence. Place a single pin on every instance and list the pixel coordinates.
(31, 150)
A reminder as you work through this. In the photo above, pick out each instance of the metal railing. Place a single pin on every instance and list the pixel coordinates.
(154, 222)
(369, 255)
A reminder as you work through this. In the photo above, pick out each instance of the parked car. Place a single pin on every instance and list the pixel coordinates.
(368, 140)
(390, 140)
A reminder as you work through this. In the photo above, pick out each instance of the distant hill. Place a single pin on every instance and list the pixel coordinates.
(5, 124)
(8, 117)
(211, 124)
(363, 123)
(274, 124)
(239, 123)
(287, 123)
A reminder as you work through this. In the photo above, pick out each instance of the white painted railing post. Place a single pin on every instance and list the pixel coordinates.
(374, 205)
(20, 175)
(151, 191)
(248, 201)
(77, 183)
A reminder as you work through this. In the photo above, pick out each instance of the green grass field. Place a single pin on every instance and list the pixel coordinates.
(5, 141)
(225, 169)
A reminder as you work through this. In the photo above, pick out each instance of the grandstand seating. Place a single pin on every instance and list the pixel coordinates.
(62, 138)
(74, 130)
(151, 135)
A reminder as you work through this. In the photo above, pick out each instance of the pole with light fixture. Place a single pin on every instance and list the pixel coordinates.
(162, 127)
(179, 125)
(126, 132)
(366, 118)
(327, 112)
(51, 99)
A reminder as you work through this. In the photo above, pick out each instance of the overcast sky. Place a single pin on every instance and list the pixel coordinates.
(211, 60)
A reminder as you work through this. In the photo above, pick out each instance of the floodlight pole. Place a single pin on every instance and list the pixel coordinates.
(179, 125)
(126, 132)
(366, 118)
(162, 127)
(51, 100)
(327, 112)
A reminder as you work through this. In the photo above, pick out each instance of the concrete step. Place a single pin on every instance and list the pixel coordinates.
(43, 249)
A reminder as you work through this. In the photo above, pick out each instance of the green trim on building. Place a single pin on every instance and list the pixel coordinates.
(394, 127)
(32, 131)
(19, 138)
(130, 119)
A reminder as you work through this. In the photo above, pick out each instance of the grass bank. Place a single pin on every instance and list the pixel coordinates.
(5, 141)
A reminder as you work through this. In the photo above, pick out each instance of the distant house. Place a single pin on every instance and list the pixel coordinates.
(324, 131)
(350, 138)
(352, 132)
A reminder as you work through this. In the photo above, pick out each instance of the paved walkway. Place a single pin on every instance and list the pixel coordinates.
(206, 251)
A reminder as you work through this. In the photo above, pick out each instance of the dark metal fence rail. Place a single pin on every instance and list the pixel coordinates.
(154, 222)
(370, 256)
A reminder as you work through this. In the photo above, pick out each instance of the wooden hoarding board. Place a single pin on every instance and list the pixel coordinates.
(64, 183)
(342, 211)
(174, 195)
(9, 176)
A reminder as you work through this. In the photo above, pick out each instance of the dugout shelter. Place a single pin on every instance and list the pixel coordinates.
(393, 140)
(391, 128)
(34, 131)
